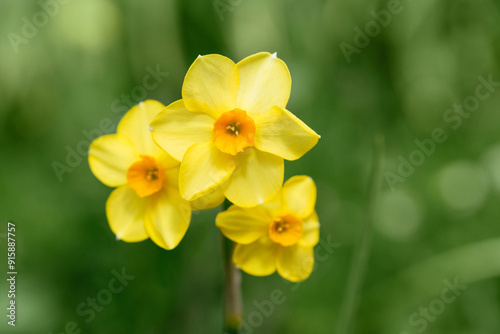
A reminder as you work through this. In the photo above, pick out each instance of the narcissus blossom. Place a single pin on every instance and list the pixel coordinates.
(146, 202)
(278, 235)
(231, 130)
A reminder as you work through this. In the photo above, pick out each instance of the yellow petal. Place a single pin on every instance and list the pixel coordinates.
(176, 129)
(242, 225)
(299, 195)
(210, 200)
(167, 218)
(125, 211)
(203, 168)
(310, 231)
(172, 176)
(283, 134)
(135, 125)
(109, 158)
(257, 258)
(211, 85)
(295, 263)
(274, 205)
(257, 178)
(264, 82)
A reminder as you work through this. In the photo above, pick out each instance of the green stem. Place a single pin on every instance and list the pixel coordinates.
(232, 287)
(362, 252)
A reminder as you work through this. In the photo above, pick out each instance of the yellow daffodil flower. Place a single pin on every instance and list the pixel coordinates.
(231, 130)
(146, 202)
(278, 235)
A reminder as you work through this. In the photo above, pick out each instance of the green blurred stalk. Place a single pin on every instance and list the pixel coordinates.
(362, 252)
(232, 287)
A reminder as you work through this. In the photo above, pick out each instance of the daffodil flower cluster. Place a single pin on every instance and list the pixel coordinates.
(227, 137)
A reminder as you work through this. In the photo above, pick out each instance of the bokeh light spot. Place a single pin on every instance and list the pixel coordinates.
(399, 215)
(91, 24)
(462, 185)
(491, 161)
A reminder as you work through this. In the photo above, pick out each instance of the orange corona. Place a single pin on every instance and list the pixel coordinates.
(146, 176)
(286, 230)
(234, 131)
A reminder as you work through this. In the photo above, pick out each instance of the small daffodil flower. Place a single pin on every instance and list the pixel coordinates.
(277, 235)
(231, 130)
(146, 202)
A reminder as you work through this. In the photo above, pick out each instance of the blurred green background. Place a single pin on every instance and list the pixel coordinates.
(65, 77)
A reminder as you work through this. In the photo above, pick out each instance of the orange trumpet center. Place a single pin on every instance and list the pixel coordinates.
(286, 230)
(146, 176)
(234, 131)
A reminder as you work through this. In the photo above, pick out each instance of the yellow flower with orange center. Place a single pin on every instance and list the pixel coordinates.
(277, 235)
(231, 130)
(146, 202)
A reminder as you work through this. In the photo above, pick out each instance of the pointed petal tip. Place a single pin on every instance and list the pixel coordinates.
(118, 237)
(150, 128)
(274, 55)
(141, 103)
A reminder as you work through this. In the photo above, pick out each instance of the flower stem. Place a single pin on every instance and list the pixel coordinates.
(362, 251)
(232, 287)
